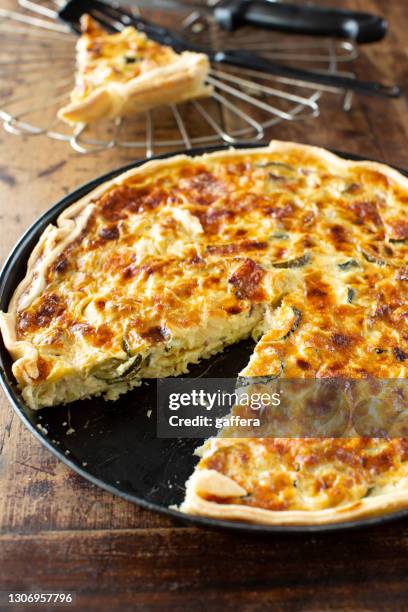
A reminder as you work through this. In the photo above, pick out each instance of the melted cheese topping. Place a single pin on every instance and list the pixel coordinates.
(114, 58)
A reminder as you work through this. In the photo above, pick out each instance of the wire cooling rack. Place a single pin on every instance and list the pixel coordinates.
(37, 64)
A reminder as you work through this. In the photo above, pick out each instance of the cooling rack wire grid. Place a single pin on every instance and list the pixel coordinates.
(37, 64)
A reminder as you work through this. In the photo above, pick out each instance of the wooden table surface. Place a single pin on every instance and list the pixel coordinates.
(59, 532)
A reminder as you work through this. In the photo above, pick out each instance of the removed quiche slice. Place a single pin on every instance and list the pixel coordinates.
(126, 73)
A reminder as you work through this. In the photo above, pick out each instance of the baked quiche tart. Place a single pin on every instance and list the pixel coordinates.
(126, 73)
(174, 260)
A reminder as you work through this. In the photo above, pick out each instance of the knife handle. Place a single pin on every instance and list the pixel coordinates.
(312, 20)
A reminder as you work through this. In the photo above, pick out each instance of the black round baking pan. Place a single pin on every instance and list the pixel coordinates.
(114, 444)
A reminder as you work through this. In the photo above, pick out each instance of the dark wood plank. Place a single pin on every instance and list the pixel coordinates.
(175, 569)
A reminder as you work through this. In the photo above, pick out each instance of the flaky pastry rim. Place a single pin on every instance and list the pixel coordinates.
(196, 504)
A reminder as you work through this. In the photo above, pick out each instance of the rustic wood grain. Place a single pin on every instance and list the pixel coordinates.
(57, 531)
(188, 569)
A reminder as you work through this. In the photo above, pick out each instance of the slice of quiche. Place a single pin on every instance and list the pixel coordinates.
(126, 73)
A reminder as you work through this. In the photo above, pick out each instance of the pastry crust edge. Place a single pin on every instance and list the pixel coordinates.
(213, 483)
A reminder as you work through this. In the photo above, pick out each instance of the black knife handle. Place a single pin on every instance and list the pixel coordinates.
(313, 20)
(245, 59)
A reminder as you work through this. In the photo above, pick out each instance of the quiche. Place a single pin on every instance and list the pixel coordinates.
(174, 260)
(126, 73)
